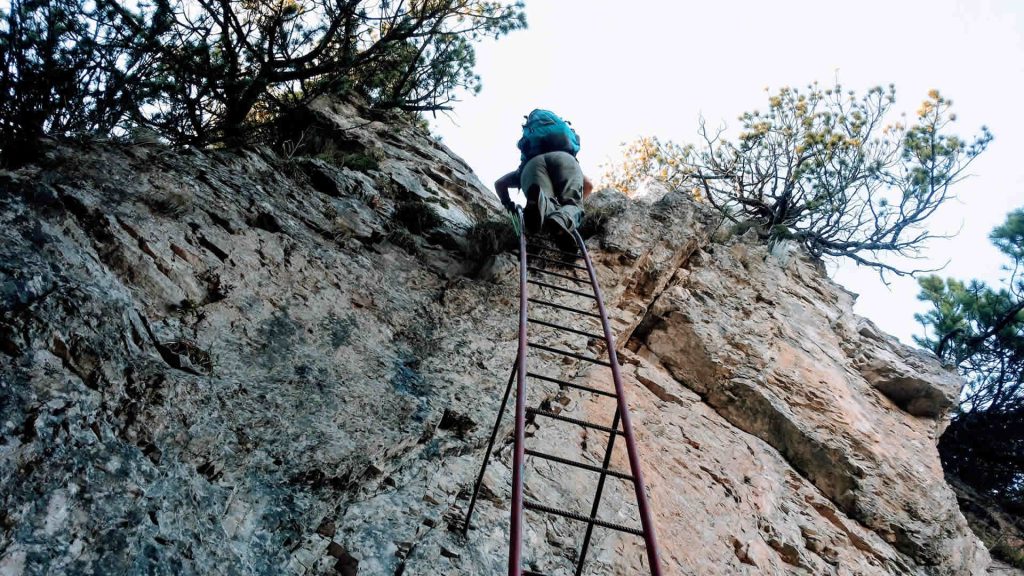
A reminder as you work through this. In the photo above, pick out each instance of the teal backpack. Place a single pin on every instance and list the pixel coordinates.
(545, 132)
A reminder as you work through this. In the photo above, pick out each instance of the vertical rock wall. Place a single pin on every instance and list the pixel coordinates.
(243, 363)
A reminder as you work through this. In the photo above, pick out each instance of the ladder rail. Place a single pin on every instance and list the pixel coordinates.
(646, 518)
(515, 549)
(490, 448)
(597, 497)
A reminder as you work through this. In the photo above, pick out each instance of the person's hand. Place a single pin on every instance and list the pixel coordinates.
(588, 187)
(510, 180)
(509, 204)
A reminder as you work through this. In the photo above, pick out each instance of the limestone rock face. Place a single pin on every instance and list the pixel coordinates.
(408, 162)
(909, 377)
(256, 363)
(776, 352)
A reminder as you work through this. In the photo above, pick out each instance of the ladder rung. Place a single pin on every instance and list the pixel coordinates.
(582, 465)
(583, 423)
(571, 385)
(565, 328)
(571, 354)
(553, 261)
(561, 289)
(575, 254)
(565, 276)
(560, 307)
(580, 518)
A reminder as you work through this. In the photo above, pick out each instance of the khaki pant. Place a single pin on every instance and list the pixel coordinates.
(553, 184)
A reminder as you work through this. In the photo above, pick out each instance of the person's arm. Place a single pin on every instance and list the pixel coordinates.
(510, 180)
(588, 186)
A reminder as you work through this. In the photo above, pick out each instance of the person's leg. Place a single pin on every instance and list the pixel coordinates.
(536, 185)
(567, 185)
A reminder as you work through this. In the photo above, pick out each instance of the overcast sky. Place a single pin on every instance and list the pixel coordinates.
(622, 70)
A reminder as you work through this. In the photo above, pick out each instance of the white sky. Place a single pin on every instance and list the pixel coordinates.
(622, 70)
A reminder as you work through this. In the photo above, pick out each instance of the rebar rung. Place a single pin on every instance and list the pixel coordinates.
(590, 359)
(583, 423)
(566, 308)
(561, 289)
(565, 328)
(580, 518)
(571, 385)
(575, 254)
(553, 261)
(563, 276)
(576, 464)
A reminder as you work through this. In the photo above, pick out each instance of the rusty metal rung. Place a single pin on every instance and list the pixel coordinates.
(564, 276)
(580, 518)
(590, 359)
(553, 261)
(566, 308)
(583, 423)
(571, 385)
(565, 328)
(561, 289)
(575, 254)
(576, 464)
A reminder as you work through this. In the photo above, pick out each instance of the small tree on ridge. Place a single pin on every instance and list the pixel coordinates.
(824, 168)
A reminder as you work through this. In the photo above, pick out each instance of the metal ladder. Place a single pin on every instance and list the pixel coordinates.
(621, 423)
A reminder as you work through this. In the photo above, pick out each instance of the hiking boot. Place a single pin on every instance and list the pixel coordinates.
(566, 243)
(559, 222)
(559, 227)
(533, 219)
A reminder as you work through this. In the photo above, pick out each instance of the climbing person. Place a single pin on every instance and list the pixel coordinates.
(549, 176)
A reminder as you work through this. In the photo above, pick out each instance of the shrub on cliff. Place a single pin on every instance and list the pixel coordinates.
(223, 81)
(201, 72)
(66, 67)
(980, 329)
(821, 167)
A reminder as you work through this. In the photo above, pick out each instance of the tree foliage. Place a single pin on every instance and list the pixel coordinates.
(202, 71)
(825, 168)
(647, 159)
(231, 64)
(66, 67)
(980, 329)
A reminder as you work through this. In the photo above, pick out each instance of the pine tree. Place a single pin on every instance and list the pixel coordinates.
(202, 72)
(980, 329)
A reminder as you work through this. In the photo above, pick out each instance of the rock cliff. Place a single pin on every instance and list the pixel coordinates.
(248, 362)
